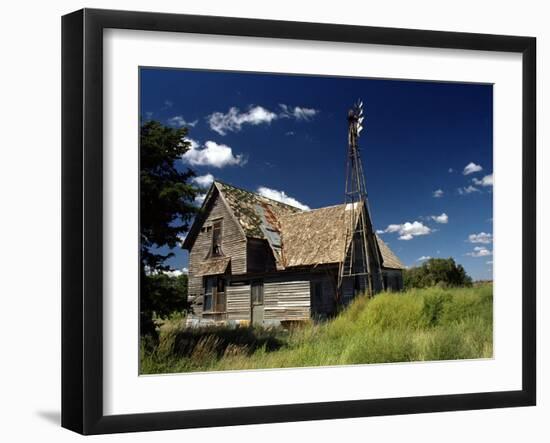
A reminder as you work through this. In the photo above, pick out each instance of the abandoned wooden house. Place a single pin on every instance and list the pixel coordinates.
(256, 260)
(252, 259)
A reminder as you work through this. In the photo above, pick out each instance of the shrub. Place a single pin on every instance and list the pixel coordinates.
(439, 272)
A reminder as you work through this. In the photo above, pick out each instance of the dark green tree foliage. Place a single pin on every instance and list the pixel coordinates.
(436, 271)
(166, 210)
(164, 295)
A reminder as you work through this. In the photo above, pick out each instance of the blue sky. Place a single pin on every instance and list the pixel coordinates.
(427, 150)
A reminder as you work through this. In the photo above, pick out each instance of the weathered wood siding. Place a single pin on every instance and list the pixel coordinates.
(348, 291)
(287, 298)
(393, 278)
(233, 245)
(326, 303)
(238, 301)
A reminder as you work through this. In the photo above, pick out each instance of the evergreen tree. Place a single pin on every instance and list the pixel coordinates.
(166, 210)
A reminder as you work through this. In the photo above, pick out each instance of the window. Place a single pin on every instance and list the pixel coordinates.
(257, 292)
(220, 284)
(207, 302)
(208, 293)
(214, 294)
(217, 238)
(219, 305)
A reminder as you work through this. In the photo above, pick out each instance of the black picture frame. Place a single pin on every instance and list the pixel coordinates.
(82, 218)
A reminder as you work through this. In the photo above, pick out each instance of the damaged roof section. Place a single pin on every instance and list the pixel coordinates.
(258, 216)
(254, 212)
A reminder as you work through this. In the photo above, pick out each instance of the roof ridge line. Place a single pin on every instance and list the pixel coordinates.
(315, 209)
(257, 195)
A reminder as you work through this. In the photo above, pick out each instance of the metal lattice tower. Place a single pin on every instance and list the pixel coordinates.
(360, 268)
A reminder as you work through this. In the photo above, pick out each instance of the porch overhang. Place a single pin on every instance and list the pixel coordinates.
(213, 266)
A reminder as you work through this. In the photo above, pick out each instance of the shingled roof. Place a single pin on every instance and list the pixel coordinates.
(297, 238)
(389, 259)
(314, 237)
(317, 237)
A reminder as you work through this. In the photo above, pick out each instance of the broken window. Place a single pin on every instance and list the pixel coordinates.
(217, 238)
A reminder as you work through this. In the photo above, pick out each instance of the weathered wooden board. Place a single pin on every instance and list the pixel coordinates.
(394, 279)
(238, 302)
(324, 303)
(287, 298)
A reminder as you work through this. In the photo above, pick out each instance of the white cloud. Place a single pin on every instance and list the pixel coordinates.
(409, 230)
(180, 122)
(181, 238)
(212, 154)
(297, 112)
(480, 251)
(393, 228)
(443, 218)
(423, 258)
(234, 119)
(170, 273)
(470, 168)
(485, 181)
(177, 272)
(199, 199)
(438, 193)
(451, 170)
(468, 190)
(380, 231)
(289, 133)
(482, 237)
(204, 180)
(282, 197)
(490, 262)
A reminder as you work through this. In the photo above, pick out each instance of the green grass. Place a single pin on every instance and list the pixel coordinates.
(417, 325)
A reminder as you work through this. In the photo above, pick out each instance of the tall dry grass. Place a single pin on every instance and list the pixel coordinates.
(417, 325)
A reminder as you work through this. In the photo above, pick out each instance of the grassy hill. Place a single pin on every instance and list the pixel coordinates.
(423, 324)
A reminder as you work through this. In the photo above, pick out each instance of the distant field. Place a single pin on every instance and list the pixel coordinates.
(418, 325)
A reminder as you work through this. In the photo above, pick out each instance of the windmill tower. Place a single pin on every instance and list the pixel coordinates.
(360, 270)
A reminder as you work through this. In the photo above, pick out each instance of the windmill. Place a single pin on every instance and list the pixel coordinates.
(360, 270)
